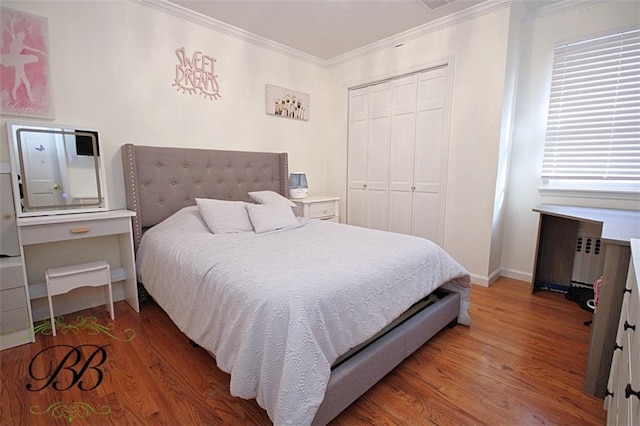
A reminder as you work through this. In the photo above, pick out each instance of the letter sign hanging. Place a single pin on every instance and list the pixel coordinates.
(195, 76)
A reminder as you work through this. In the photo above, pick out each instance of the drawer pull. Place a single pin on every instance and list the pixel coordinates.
(616, 346)
(629, 326)
(627, 290)
(83, 230)
(628, 392)
(609, 393)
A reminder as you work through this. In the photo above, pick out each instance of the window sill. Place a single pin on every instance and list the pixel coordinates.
(589, 193)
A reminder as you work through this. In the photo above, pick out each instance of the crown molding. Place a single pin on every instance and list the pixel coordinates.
(464, 15)
(206, 21)
(436, 25)
(214, 24)
(564, 6)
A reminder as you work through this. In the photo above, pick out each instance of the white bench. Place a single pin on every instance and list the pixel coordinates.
(64, 279)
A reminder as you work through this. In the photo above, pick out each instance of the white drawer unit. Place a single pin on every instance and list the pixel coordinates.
(15, 315)
(15, 318)
(318, 207)
(623, 391)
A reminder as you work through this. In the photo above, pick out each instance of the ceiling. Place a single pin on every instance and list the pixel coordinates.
(326, 29)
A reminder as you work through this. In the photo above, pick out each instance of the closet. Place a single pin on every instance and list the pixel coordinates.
(397, 154)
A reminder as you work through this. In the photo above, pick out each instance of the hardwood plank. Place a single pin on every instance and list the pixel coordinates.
(522, 361)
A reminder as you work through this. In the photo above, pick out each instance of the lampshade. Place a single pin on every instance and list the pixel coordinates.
(298, 186)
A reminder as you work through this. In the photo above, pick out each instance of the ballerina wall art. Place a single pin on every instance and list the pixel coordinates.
(24, 65)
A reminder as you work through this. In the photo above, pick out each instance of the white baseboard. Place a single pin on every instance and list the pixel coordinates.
(487, 281)
(480, 280)
(517, 275)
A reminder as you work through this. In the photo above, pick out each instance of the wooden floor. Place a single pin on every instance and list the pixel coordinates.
(522, 362)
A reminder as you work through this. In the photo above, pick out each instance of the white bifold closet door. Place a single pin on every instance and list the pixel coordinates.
(397, 155)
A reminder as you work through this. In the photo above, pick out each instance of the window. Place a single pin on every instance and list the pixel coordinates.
(593, 128)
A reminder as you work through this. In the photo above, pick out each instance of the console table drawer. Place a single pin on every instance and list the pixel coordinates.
(37, 234)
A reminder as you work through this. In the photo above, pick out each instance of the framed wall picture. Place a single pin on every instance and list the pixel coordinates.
(286, 103)
(24, 78)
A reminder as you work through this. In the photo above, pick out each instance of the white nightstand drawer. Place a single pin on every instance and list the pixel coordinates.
(317, 207)
(15, 319)
(12, 299)
(37, 234)
(11, 275)
(320, 210)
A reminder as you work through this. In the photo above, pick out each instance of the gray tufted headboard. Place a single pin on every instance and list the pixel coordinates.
(160, 181)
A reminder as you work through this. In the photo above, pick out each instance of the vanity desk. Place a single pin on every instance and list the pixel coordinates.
(60, 240)
(558, 232)
(63, 224)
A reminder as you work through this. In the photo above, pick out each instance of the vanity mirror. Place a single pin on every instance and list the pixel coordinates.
(56, 169)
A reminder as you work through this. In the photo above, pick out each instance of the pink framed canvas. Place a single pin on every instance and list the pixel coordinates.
(24, 68)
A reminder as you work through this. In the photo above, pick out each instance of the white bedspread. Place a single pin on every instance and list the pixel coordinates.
(277, 309)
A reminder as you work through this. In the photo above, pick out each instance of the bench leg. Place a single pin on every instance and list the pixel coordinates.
(108, 295)
(53, 320)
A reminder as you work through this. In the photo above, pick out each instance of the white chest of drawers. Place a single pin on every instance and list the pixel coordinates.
(623, 390)
(15, 316)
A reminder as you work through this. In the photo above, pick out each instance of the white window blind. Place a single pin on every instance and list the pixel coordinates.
(593, 128)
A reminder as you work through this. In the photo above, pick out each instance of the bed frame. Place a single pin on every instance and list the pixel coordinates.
(160, 181)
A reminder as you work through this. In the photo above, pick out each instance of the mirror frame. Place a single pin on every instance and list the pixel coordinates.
(14, 129)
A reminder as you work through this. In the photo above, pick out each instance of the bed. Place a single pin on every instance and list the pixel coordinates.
(305, 340)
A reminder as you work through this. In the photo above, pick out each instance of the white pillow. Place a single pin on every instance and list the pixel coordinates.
(269, 197)
(224, 217)
(269, 217)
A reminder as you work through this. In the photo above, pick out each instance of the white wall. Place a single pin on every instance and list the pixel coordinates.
(112, 67)
(477, 50)
(115, 73)
(512, 61)
(113, 63)
(530, 121)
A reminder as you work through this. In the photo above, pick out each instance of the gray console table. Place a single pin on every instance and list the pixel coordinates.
(557, 234)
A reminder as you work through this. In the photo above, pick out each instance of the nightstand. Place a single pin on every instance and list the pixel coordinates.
(318, 207)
